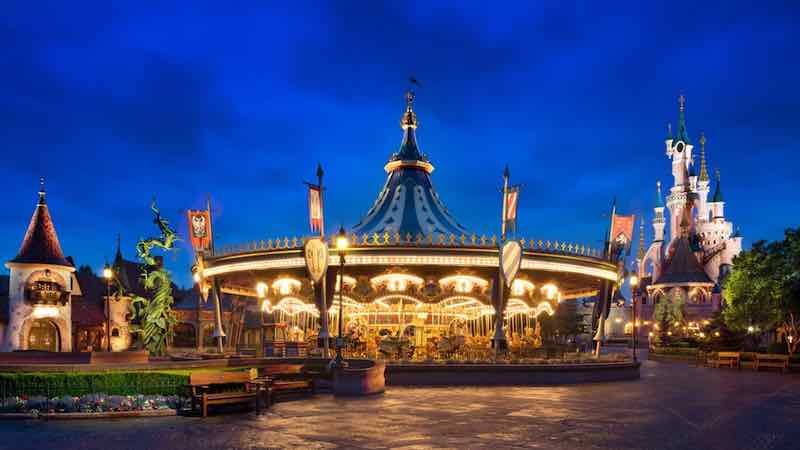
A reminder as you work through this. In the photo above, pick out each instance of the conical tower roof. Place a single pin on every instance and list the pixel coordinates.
(40, 244)
(682, 266)
(408, 203)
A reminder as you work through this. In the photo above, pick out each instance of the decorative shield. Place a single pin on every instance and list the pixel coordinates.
(510, 260)
(316, 253)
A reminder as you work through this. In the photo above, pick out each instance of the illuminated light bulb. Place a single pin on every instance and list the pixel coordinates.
(261, 289)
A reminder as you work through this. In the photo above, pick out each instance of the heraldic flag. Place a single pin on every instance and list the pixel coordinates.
(200, 229)
(510, 209)
(622, 233)
(315, 208)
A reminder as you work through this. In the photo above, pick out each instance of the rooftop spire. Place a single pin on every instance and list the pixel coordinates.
(682, 134)
(40, 244)
(42, 192)
(659, 199)
(409, 153)
(703, 168)
(409, 118)
(669, 130)
(718, 191)
(640, 251)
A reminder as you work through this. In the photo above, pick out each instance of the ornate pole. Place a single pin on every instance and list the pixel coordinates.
(219, 333)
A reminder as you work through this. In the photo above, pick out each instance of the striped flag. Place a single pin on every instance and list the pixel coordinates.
(315, 208)
(510, 209)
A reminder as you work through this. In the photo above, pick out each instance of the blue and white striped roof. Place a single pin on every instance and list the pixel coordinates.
(408, 203)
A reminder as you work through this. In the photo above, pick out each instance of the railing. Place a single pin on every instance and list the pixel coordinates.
(430, 240)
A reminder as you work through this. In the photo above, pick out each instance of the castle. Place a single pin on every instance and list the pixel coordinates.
(688, 265)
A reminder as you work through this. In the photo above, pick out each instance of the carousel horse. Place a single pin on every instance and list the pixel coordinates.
(400, 346)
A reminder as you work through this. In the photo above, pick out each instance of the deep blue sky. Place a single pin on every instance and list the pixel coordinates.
(116, 104)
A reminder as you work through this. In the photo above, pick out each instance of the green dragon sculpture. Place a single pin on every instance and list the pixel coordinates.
(156, 319)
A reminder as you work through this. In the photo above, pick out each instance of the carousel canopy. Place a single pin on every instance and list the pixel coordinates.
(408, 203)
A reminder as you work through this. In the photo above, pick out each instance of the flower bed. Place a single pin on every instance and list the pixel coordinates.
(91, 403)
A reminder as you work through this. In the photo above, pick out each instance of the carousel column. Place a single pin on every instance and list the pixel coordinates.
(219, 333)
(499, 341)
(321, 300)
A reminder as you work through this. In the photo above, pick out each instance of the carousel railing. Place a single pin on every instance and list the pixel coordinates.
(419, 240)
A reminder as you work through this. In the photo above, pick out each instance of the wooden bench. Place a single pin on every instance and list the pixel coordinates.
(281, 379)
(771, 360)
(206, 389)
(728, 359)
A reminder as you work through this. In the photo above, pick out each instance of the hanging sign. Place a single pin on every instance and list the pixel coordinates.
(510, 260)
(316, 255)
(200, 229)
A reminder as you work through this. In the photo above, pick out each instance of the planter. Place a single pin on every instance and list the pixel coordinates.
(363, 378)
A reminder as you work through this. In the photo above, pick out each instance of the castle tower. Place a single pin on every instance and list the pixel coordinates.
(703, 184)
(658, 216)
(40, 288)
(679, 150)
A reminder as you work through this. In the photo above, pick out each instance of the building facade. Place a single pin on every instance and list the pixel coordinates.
(685, 262)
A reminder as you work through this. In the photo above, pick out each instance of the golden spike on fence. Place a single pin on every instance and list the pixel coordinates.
(262, 245)
(569, 247)
(440, 241)
(463, 239)
(364, 239)
(494, 240)
(408, 238)
(385, 237)
(294, 242)
(540, 244)
(522, 243)
(354, 239)
(483, 240)
(474, 239)
(430, 238)
(532, 244)
(285, 242)
(375, 238)
(397, 238)
(583, 249)
(452, 240)
(418, 239)
(547, 244)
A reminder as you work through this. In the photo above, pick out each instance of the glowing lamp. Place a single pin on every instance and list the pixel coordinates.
(196, 277)
(266, 306)
(41, 311)
(751, 329)
(108, 273)
(341, 240)
(633, 280)
(261, 289)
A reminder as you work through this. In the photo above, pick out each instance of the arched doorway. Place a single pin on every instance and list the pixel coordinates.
(43, 336)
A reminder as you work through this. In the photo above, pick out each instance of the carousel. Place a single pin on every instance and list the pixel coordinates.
(407, 282)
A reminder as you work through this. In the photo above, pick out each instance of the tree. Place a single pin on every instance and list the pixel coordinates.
(763, 290)
(156, 319)
(669, 310)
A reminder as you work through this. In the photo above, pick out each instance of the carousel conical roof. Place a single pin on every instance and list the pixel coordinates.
(408, 203)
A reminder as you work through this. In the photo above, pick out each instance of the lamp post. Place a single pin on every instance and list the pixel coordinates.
(341, 247)
(108, 274)
(634, 281)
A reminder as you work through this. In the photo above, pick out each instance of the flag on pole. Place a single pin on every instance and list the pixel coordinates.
(200, 229)
(622, 233)
(510, 209)
(315, 208)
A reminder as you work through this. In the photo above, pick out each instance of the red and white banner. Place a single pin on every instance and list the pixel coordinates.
(200, 229)
(315, 208)
(510, 209)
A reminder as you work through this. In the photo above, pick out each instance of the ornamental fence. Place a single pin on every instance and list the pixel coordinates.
(430, 240)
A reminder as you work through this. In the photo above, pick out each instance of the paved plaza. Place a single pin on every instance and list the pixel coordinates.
(672, 407)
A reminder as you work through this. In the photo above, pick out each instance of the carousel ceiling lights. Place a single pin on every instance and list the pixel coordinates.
(396, 282)
(348, 282)
(464, 283)
(528, 263)
(262, 289)
(285, 286)
(550, 291)
(293, 305)
(521, 287)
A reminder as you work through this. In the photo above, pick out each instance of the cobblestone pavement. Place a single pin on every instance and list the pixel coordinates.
(673, 406)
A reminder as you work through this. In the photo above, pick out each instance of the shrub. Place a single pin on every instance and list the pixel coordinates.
(77, 384)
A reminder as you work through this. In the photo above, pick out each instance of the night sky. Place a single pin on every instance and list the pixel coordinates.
(115, 105)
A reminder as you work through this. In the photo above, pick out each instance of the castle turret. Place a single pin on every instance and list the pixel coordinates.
(40, 288)
(703, 184)
(658, 216)
(717, 202)
(681, 154)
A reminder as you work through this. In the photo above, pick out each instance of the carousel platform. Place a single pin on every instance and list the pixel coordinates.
(463, 374)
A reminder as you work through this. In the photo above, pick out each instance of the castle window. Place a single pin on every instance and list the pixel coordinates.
(115, 332)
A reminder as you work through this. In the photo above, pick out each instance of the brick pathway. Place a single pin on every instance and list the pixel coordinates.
(673, 406)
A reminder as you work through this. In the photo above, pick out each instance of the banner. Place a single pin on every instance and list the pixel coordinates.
(622, 234)
(510, 209)
(315, 208)
(200, 229)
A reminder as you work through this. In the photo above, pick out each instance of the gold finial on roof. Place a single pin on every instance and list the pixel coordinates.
(409, 118)
(682, 102)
